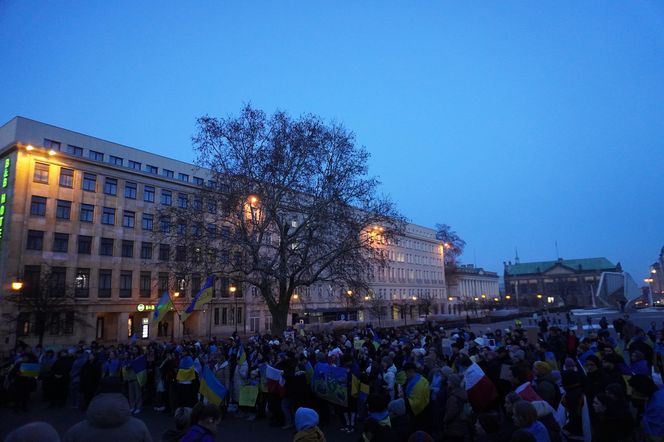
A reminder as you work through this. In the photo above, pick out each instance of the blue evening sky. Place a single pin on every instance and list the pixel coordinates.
(518, 123)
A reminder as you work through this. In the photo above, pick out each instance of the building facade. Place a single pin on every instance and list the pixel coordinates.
(571, 282)
(83, 210)
(470, 287)
(655, 279)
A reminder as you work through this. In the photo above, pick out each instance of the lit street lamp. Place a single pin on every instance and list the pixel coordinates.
(233, 289)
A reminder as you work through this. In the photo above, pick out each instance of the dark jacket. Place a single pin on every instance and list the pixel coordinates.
(108, 420)
(455, 424)
(198, 434)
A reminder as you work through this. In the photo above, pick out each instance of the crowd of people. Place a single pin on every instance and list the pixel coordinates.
(547, 383)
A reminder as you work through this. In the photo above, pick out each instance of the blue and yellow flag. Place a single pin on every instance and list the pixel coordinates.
(241, 355)
(203, 296)
(417, 393)
(163, 306)
(140, 366)
(186, 372)
(213, 390)
(29, 370)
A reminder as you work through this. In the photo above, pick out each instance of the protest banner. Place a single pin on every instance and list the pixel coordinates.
(331, 383)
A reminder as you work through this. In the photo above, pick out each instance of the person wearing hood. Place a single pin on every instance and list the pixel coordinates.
(455, 420)
(306, 425)
(108, 419)
(34, 432)
(612, 423)
(389, 374)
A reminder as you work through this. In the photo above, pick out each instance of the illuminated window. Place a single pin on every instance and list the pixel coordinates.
(82, 283)
(41, 173)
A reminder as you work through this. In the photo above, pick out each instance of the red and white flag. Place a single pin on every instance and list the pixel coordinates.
(480, 389)
(275, 381)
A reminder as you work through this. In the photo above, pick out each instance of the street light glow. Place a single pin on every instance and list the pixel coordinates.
(29, 147)
(17, 285)
(176, 294)
(508, 297)
(295, 296)
(51, 152)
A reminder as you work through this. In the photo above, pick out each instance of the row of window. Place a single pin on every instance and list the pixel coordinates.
(119, 161)
(58, 285)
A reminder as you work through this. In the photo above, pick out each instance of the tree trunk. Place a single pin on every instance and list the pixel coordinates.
(279, 319)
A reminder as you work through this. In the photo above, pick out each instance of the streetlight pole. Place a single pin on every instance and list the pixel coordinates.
(349, 293)
(233, 289)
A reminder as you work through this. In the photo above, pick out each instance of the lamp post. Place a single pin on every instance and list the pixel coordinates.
(349, 294)
(233, 289)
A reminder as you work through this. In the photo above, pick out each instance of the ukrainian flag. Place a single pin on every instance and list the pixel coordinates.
(213, 390)
(140, 366)
(29, 370)
(203, 296)
(308, 372)
(417, 392)
(241, 355)
(186, 372)
(163, 306)
(355, 380)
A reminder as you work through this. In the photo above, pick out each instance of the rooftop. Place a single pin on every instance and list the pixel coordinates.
(587, 264)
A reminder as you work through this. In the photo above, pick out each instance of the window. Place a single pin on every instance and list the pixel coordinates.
(148, 194)
(23, 324)
(69, 323)
(54, 323)
(60, 242)
(197, 204)
(38, 206)
(166, 197)
(127, 249)
(225, 232)
(74, 150)
(58, 280)
(181, 227)
(145, 284)
(125, 284)
(35, 240)
(239, 315)
(111, 186)
(50, 144)
(199, 181)
(105, 277)
(212, 206)
(134, 165)
(162, 282)
(32, 280)
(195, 285)
(167, 173)
(117, 161)
(182, 200)
(151, 169)
(197, 229)
(224, 316)
(212, 231)
(84, 245)
(164, 225)
(108, 216)
(41, 173)
(106, 246)
(216, 316)
(130, 190)
(183, 177)
(87, 213)
(63, 209)
(66, 177)
(90, 182)
(82, 283)
(147, 222)
(94, 155)
(181, 253)
(146, 250)
(164, 252)
(128, 219)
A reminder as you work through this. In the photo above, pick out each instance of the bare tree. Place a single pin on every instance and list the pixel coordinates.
(47, 301)
(293, 204)
(453, 244)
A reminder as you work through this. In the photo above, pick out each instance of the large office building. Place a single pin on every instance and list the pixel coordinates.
(471, 287)
(83, 210)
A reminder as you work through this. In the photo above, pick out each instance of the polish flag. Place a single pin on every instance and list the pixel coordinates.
(480, 389)
(275, 381)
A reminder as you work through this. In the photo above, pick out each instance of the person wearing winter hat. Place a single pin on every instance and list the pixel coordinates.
(306, 425)
(545, 385)
(34, 432)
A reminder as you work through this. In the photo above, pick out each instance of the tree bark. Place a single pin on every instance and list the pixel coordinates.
(279, 319)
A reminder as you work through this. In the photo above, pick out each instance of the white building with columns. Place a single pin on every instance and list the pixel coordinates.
(468, 284)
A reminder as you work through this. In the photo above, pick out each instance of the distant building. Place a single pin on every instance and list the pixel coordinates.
(468, 284)
(656, 278)
(570, 281)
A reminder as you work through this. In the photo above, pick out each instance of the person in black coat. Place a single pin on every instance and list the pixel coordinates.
(90, 376)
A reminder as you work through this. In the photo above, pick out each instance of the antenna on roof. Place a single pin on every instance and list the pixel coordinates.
(557, 253)
(516, 257)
